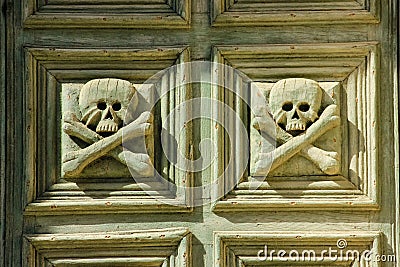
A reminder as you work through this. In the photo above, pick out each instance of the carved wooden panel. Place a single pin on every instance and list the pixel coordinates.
(163, 247)
(323, 168)
(234, 249)
(107, 14)
(274, 12)
(65, 177)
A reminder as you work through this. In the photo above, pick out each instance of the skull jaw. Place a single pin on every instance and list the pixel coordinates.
(107, 127)
(296, 127)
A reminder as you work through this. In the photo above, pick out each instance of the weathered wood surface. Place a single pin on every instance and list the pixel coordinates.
(23, 173)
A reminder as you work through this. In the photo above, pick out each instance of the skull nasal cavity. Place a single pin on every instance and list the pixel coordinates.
(295, 115)
(109, 115)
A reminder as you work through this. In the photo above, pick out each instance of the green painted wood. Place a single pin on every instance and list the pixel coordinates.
(16, 168)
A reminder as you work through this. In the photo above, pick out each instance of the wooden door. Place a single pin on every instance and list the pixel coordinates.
(335, 184)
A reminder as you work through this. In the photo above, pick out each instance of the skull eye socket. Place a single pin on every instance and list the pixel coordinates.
(304, 107)
(287, 106)
(102, 105)
(116, 106)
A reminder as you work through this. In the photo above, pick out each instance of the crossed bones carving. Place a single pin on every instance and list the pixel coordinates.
(302, 126)
(104, 117)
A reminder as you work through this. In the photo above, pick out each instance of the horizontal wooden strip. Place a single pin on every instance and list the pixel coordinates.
(159, 237)
(315, 73)
(230, 19)
(284, 261)
(283, 184)
(103, 186)
(92, 55)
(299, 6)
(246, 247)
(112, 64)
(102, 2)
(295, 62)
(354, 237)
(111, 8)
(70, 20)
(104, 206)
(134, 75)
(110, 195)
(115, 262)
(359, 204)
(301, 193)
(310, 178)
(289, 2)
(335, 50)
(147, 250)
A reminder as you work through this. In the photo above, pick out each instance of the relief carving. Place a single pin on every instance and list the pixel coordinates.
(300, 120)
(103, 105)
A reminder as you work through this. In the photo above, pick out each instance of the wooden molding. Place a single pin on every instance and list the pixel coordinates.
(236, 249)
(229, 13)
(171, 247)
(47, 192)
(356, 67)
(106, 14)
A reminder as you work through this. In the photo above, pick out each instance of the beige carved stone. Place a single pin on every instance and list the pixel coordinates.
(103, 104)
(295, 104)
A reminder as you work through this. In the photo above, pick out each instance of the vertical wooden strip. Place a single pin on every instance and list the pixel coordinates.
(53, 110)
(183, 257)
(240, 108)
(31, 82)
(41, 144)
(352, 138)
(344, 131)
(171, 130)
(229, 138)
(372, 123)
(188, 130)
(217, 95)
(2, 133)
(165, 109)
(217, 8)
(182, 129)
(361, 127)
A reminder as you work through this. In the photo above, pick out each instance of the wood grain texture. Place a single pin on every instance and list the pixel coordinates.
(107, 14)
(267, 13)
(166, 247)
(360, 190)
(202, 222)
(2, 133)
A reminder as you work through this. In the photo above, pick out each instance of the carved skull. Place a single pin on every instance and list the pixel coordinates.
(104, 102)
(295, 104)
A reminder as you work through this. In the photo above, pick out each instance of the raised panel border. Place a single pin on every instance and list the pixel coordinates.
(240, 249)
(46, 192)
(227, 13)
(98, 14)
(159, 247)
(356, 66)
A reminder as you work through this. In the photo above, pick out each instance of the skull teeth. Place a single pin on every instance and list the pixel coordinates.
(295, 126)
(107, 127)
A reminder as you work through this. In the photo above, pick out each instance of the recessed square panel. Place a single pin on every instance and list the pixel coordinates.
(107, 14)
(322, 153)
(274, 12)
(163, 247)
(77, 98)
